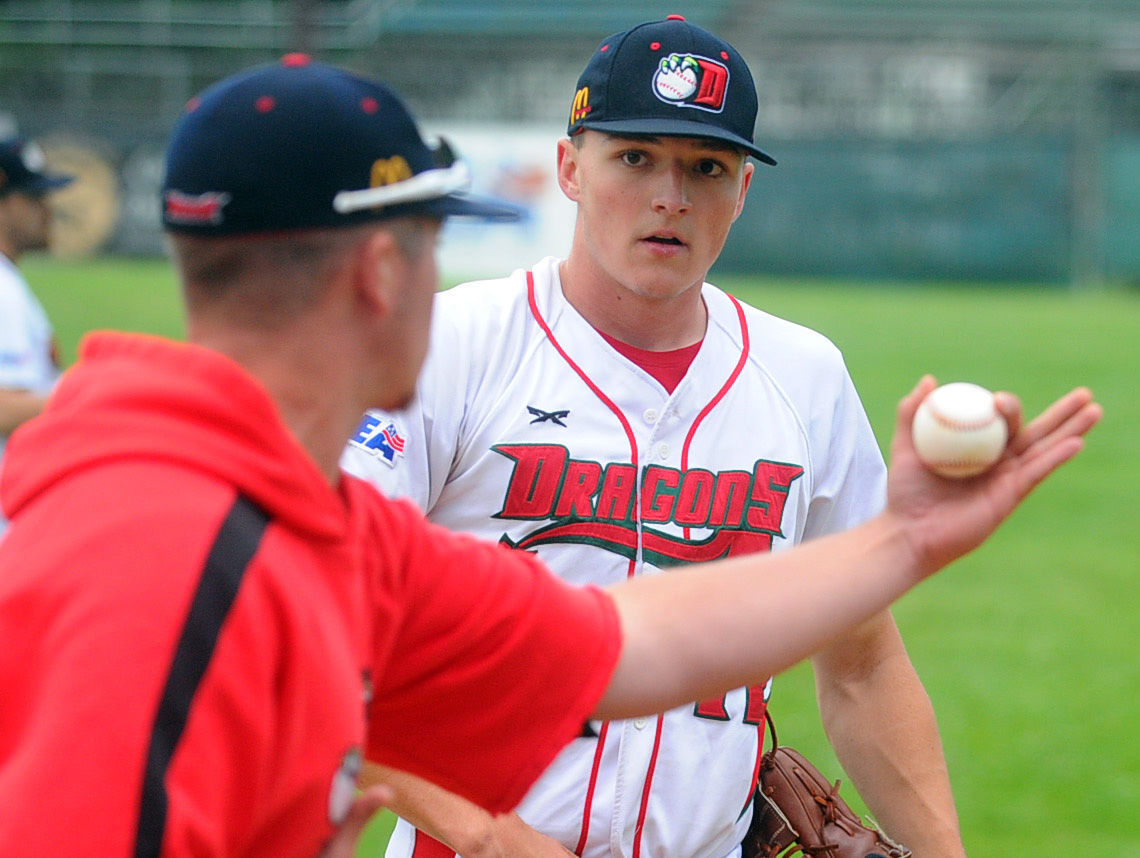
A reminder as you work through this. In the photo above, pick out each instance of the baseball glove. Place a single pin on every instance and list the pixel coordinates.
(797, 810)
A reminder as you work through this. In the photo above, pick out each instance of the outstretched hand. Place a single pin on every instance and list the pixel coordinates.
(949, 517)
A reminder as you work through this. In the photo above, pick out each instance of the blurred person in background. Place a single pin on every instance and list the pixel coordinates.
(29, 357)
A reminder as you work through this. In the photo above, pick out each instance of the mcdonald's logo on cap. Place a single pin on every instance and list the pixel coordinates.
(581, 107)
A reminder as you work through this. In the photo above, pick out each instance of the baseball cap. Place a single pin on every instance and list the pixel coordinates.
(299, 144)
(668, 78)
(22, 169)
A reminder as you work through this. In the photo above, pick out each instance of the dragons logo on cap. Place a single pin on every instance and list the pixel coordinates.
(686, 80)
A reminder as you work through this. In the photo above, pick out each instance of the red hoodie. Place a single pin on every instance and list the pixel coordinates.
(200, 637)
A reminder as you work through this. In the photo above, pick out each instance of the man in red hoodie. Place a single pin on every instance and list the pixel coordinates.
(205, 626)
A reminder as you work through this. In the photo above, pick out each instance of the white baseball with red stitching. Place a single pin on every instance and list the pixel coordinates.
(677, 84)
(957, 430)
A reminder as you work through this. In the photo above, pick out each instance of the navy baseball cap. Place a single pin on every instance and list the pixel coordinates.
(299, 144)
(668, 78)
(22, 169)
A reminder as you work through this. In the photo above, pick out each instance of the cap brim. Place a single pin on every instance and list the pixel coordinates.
(43, 184)
(679, 128)
(466, 205)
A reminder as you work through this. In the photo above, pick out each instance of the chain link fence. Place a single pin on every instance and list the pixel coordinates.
(973, 139)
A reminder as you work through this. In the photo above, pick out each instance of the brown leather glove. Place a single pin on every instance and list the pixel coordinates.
(798, 810)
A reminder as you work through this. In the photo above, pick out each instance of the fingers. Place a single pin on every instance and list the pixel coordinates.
(1053, 438)
(1009, 406)
(1067, 419)
(909, 405)
(1037, 468)
(1073, 414)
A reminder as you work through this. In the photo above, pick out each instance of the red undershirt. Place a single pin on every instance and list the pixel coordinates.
(668, 367)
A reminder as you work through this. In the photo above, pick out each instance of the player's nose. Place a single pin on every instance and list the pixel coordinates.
(671, 194)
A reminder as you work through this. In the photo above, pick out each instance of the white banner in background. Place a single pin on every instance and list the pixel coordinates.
(518, 164)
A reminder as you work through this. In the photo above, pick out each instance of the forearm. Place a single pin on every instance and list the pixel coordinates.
(459, 824)
(692, 633)
(443, 815)
(882, 725)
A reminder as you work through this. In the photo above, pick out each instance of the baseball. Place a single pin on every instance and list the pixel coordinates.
(677, 84)
(957, 430)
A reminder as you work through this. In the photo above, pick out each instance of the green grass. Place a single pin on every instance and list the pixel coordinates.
(1030, 647)
(86, 295)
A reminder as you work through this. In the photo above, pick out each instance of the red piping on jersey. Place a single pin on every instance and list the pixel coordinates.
(581, 374)
(597, 391)
(644, 809)
(756, 768)
(590, 789)
(745, 344)
(712, 403)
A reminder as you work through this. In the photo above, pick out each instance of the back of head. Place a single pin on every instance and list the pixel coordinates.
(303, 145)
(274, 168)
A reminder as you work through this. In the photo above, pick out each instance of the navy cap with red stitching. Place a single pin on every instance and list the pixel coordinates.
(668, 78)
(299, 144)
(22, 170)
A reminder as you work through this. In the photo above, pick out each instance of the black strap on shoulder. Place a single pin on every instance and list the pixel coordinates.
(230, 555)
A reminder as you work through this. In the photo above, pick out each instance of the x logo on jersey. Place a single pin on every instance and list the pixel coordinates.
(541, 416)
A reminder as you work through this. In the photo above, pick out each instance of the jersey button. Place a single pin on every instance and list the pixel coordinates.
(663, 452)
(650, 416)
(639, 723)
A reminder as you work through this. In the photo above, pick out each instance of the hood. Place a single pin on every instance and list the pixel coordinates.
(136, 396)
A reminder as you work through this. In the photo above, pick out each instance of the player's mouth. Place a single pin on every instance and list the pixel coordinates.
(664, 240)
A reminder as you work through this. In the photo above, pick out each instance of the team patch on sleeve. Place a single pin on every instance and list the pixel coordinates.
(379, 436)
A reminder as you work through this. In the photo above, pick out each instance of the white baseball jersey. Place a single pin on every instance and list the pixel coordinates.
(28, 358)
(530, 429)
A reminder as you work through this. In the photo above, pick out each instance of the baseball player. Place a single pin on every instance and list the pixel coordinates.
(619, 416)
(29, 357)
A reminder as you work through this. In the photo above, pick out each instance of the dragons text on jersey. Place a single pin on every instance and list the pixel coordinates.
(596, 504)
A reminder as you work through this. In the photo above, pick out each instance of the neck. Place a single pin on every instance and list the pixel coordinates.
(639, 318)
(317, 401)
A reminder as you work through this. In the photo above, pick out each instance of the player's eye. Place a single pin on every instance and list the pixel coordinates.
(633, 157)
(709, 167)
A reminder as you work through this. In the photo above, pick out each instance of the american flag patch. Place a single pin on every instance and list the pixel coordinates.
(380, 437)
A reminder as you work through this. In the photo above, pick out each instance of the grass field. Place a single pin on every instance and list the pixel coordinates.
(1030, 647)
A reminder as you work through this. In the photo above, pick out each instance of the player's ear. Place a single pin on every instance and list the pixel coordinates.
(747, 171)
(568, 168)
(378, 272)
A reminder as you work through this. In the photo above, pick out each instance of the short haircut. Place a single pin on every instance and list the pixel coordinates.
(263, 280)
